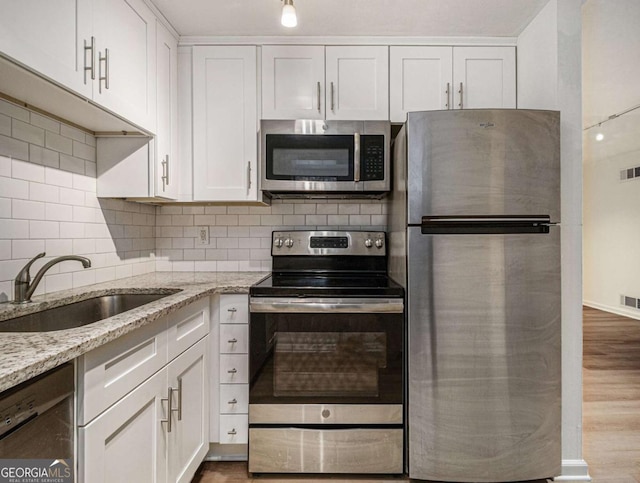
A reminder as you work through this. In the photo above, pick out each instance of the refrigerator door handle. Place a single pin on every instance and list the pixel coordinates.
(479, 225)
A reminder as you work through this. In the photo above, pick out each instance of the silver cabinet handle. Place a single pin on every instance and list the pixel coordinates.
(170, 410)
(92, 64)
(356, 157)
(233, 401)
(232, 309)
(232, 341)
(165, 172)
(332, 101)
(179, 409)
(461, 105)
(248, 175)
(232, 371)
(447, 92)
(233, 432)
(318, 95)
(104, 78)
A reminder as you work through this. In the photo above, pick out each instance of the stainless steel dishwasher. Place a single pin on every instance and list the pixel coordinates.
(36, 417)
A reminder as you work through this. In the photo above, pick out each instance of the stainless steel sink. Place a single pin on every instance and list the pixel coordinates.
(79, 313)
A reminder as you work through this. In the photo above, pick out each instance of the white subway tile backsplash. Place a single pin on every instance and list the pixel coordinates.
(44, 156)
(247, 220)
(5, 208)
(56, 282)
(44, 192)
(72, 133)
(27, 132)
(84, 246)
(88, 183)
(58, 143)
(27, 171)
(84, 277)
(14, 111)
(71, 164)
(58, 178)
(5, 125)
(83, 214)
(84, 151)
(26, 249)
(44, 122)
(14, 229)
(215, 210)
(348, 209)
(5, 249)
(44, 229)
(304, 209)
(59, 247)
(14, 188)
(72, 230)
(27, 210)
(5, 166)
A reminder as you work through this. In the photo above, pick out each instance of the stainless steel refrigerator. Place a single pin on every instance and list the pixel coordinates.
(475, 238)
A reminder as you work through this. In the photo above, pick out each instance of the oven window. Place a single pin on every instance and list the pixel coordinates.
(326, 358)
(309, 157)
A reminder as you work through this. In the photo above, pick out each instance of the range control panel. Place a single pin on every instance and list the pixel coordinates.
(328, 243)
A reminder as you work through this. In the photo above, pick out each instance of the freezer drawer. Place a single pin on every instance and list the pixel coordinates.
(484, 356)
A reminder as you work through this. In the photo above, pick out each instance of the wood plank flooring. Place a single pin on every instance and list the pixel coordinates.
(611, 395)
(611, 410)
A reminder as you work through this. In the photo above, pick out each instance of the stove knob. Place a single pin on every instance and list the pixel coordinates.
(288, 242)
(278, 242)
(368, 243)
(379, 243)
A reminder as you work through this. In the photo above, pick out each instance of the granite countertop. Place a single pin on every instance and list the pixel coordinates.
(25, 355)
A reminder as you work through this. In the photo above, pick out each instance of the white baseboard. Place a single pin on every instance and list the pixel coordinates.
(618, 310)
(574, 470)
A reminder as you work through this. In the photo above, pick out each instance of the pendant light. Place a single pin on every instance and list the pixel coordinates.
(289, 18)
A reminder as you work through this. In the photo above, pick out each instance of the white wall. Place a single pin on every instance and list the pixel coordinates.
(48, 204)
(549, 77)
(611, 71)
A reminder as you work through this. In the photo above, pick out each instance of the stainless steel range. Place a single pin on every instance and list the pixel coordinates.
(326, 357)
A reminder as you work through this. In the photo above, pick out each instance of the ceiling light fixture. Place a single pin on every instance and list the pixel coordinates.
(289, 18)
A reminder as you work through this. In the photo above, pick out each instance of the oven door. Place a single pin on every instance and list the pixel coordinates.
(343, 357)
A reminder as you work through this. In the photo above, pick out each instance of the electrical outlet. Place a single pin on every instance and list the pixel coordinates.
(203, 235)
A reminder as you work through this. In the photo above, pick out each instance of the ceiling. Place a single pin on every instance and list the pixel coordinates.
(408, 18)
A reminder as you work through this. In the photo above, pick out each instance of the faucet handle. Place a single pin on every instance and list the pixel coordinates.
(23, 275)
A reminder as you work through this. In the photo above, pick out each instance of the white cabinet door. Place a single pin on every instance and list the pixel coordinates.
(167, 170)
(189, 437)
(225, 124)
(486, 76)
(419, 80)
(128, 442)
(357, 80)
(125, 32)
(49, 37)
(293, 82)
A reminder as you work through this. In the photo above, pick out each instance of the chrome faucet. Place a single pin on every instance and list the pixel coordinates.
(23, 289)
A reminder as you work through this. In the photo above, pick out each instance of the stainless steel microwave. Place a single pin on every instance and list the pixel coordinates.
(325, 158)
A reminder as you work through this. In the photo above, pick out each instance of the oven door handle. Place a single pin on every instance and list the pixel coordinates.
(319, 305)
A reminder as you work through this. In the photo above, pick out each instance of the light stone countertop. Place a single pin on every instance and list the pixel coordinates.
(25, 355)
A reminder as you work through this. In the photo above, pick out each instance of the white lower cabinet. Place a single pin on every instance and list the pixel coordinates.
(230, 383)
(157, 428)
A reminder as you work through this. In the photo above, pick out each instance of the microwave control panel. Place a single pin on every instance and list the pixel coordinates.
(371, 157)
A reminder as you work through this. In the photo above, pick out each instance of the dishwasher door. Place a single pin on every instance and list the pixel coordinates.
(37, 417)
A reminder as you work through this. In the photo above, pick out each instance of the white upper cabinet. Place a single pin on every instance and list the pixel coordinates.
(125, 33)
(433, 78)
(49, 37)
(166, 160)
(225, 123)
(315, 82)
(292, 82)
(420, 80)
(357, 82)
(486, 76)
(103, 50)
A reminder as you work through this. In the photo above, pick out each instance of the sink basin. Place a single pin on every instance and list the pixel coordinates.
(79, 313)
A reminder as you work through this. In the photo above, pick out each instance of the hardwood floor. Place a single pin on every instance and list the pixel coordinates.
(611, 395)
(611, 410)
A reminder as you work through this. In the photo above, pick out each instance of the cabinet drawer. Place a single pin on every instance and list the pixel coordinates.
(234, 369)
(234, 429)
(234, 338)
(187, 326)
(234, 398)
(109, 372)
(234, 309)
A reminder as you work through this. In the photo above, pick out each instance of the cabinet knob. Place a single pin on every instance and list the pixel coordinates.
(232, 371)
(233, 401)
(232, 341)
(233, 432)
(232, 309)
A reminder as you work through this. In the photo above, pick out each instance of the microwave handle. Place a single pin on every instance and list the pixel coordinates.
(356, 157)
